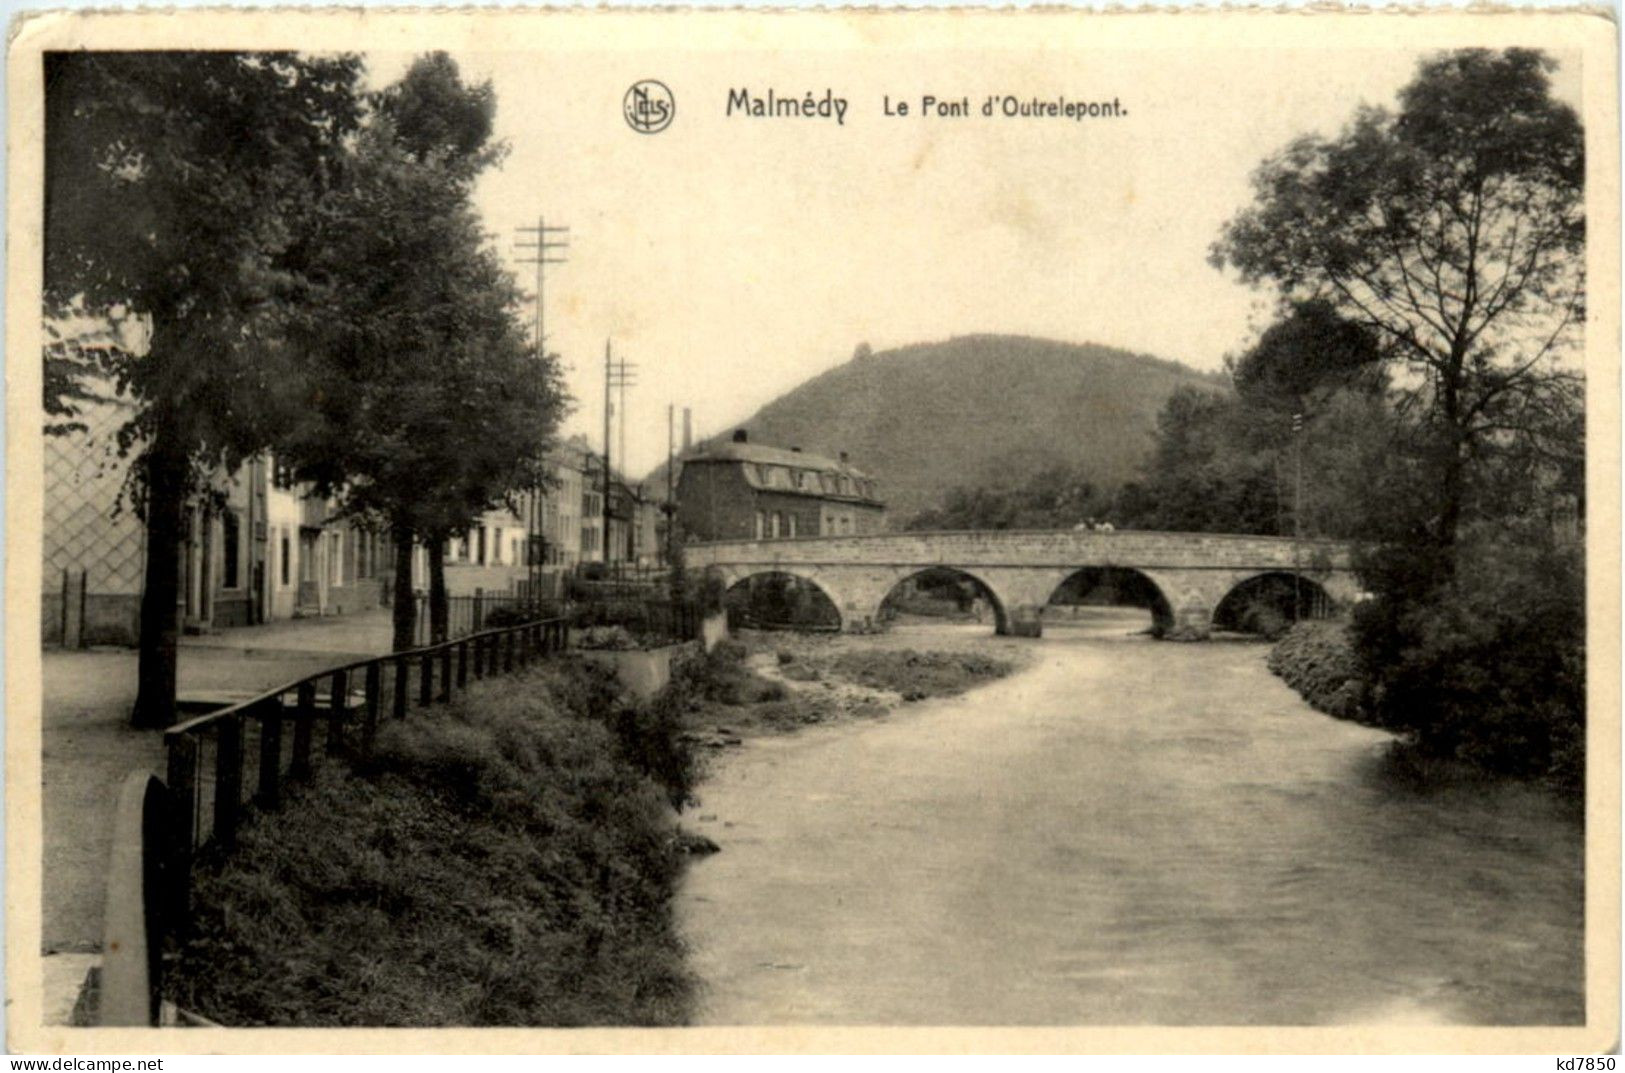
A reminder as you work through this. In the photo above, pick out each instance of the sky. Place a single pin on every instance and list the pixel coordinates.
(732, 258)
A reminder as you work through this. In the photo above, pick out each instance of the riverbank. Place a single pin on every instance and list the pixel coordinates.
(771, 682)
(510, 859)
(1318, 660)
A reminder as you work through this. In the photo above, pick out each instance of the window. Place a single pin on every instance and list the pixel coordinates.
(231, 537)
(335, 558)
(496, 546)
(791, 531)
(761, 525)
(363, 554)
(283, 563)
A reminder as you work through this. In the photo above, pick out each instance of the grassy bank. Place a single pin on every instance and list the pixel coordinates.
(507, 860)
(779, 682)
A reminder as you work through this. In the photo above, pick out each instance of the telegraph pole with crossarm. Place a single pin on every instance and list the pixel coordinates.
(549, 247)
(617, 374)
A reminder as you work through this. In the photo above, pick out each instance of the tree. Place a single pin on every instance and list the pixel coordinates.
(179, 190)
(1454, 229)
(428, 406)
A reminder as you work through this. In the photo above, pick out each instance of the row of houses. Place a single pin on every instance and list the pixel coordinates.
(260, 547)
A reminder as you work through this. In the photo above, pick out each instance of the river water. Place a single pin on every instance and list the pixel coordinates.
(1126, 832)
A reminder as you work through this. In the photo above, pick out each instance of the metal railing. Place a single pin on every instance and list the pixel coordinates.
(464, 614)
(212, 783)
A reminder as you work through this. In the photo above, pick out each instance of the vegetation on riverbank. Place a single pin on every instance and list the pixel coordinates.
(508, 860)
(778, 682)
(1491, 671)
(1317, 659)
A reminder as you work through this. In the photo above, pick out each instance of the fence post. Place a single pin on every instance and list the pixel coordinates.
(479, 657)
(369, 714)
(462, 664)
(445, 673)
(84, 599)
(401, 675)
(338, 710)
(228, 778)
(182, 779)
(426, 685)
(507, 652)
(479, 614)
(304, 713)
(270, 717)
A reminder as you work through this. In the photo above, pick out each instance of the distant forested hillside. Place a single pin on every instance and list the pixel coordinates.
(983, 410)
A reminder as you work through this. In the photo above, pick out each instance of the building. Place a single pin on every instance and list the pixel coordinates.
(743, 491)
(256, 548)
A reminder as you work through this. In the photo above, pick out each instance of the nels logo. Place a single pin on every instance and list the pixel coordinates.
(648, 106)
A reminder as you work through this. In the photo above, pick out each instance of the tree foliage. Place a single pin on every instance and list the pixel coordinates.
(1454, 229)
(427, 405)
(179, 192)
(1058, 496)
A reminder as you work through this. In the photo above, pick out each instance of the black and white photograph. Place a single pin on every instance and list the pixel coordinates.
(785, 529)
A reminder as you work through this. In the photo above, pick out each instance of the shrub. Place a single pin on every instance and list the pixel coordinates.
(500, 861)
(1489, 664)
(605, 639)
(1318, 660)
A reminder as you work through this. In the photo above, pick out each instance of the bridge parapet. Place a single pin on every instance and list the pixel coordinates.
(1076, 548)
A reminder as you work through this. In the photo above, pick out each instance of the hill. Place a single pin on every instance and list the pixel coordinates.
(976, 410)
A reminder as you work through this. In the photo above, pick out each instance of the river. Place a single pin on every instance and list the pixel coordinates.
(1125, 832)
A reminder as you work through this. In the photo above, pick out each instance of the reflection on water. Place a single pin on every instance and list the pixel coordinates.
(1130, 832)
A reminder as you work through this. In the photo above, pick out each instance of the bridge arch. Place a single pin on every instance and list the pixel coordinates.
(950, 582)
(1120, 586)
(778, 597)
(1268, 601)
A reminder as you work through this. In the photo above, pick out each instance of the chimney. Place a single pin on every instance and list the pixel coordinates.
(688, 430)
(740, 436)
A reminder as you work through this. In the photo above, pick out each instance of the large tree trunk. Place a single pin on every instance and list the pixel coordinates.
(404, 612)
(439, 609)
(166, 486)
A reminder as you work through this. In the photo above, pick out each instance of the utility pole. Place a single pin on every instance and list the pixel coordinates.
(671, 507)
(1297, 515)
(617, 374)
(547, 252)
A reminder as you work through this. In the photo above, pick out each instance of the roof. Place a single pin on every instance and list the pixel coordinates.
(779, 470)
(774, 456)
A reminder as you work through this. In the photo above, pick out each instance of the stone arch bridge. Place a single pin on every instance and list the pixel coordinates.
(1193, 572)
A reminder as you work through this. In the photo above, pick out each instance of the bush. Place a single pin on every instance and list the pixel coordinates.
(504, 860)
(720, 676)
(514, 615)
(1488, 666)
(605, 639)
(1318, 660)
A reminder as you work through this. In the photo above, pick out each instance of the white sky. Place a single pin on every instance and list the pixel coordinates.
(731, 258)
